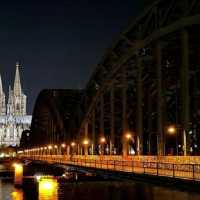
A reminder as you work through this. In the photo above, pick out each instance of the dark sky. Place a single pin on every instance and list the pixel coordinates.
(58, 42)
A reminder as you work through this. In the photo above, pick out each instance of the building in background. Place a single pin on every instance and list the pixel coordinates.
(13, 116)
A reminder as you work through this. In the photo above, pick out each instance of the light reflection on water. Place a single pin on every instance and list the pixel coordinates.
(17, 194)
(50, 189)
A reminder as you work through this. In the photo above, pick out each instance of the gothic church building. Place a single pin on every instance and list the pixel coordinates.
(13, 116)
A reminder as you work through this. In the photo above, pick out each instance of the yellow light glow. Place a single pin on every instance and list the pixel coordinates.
(73, 144)
(18, 173)
(102, 139)
(49, 147)
(63, 145)
(38, 177)
(85, 142)
(17, 195)
(48, 189)
(171, 129)
(55, 146)
(128, 136)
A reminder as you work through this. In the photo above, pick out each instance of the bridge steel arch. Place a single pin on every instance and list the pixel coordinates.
(52, 116)
(148, 80)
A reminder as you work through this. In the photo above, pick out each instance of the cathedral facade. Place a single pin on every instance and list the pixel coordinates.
(13, 116)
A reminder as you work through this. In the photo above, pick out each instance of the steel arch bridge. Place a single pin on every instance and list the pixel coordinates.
(148, 80)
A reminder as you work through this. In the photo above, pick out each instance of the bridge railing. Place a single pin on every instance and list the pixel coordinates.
(175, 170)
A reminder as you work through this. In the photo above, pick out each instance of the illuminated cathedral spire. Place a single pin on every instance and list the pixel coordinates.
(13, 116)
(17, 84)
(2, 99)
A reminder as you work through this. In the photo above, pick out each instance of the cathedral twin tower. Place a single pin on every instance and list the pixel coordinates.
(13, 117)
(16, 101)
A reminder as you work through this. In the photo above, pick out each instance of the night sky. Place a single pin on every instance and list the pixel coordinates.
(58, 42)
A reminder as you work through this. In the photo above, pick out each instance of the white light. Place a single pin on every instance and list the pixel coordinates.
(190, 132)
(38, 177)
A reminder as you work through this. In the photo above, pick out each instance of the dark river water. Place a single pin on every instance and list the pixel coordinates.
(50, 189)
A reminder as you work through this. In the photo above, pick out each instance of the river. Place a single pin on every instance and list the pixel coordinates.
(50, 189)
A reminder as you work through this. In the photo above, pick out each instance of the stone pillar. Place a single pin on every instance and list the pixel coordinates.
(160, 130)
(139, 114)
(185, 89)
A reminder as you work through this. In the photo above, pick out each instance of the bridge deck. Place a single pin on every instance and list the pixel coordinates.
(174, 170)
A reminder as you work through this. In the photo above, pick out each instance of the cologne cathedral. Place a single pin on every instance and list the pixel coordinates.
(13, 116)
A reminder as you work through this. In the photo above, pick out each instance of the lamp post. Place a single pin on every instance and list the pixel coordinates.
(73, 144)
(173, 130)
(127, 138)
(102, 143)
(63, 146)
(85, 143)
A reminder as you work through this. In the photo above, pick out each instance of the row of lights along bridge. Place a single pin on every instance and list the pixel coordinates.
(103, 147)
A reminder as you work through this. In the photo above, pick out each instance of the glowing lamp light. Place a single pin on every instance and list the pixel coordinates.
(103, 140)
(128, 136)
(49, 147)
(73, 144)
(55, 146)
(85, 142)
(38, 177)
(171, 130)
(63, 145)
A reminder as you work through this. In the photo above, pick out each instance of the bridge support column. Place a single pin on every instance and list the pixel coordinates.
(112, 119)
(124, 113)
(139, 115)
(86, 138)
(160, 132)
(185, 90)
(93, 132)
(149, 120)
(102, 122)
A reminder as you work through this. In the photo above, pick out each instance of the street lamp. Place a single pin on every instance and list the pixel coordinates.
(73, 144)
(85, 143)
(127, 137)
(102, 142)
(171, 130)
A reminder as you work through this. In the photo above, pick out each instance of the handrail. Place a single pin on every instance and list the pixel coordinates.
(174, 170)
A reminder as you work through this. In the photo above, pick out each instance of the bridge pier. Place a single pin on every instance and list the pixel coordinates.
(93, 132)
(160, 130)
(86, 138)
(102, 134)
(185, 89)
(124, 113)
(139, 112)
(112, 118)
